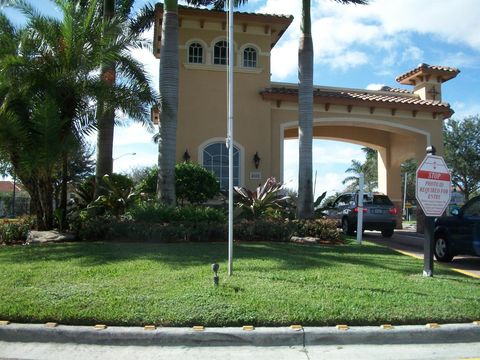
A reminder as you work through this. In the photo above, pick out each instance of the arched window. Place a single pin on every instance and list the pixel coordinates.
(250, 57)
(220, 51)
(215, 159)
(195, 53)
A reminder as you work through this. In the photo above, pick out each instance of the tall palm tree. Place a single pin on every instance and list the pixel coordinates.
(305, 110)
(59, 60)
(106, 112)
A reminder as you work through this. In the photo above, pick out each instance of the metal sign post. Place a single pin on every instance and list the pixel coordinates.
(433, 187)
(230, 136)
(361, 181)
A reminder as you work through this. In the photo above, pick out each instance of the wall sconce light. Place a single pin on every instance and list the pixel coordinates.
(256, 160)
(186, 156)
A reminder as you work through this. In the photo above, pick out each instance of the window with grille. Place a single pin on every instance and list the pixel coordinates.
(250, 57)
(220, 52)
(215, 159)
(195, 53)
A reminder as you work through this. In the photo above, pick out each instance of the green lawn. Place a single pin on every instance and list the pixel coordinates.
(273, 284)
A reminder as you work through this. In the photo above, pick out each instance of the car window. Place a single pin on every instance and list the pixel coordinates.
(343, 200)
(473, 208)
(381, 200)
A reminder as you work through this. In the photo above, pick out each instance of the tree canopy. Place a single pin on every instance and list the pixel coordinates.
(462, 153)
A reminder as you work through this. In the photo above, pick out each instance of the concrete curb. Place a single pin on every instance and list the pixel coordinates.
(449, 333)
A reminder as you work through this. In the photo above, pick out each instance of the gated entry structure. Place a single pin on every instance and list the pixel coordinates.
(398, 123)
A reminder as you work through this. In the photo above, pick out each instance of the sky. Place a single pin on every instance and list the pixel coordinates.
(362, 47)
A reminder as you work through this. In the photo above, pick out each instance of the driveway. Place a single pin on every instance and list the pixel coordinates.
(410, 242)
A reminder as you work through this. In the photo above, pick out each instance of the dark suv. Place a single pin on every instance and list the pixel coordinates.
(458, 234)
(379, 213)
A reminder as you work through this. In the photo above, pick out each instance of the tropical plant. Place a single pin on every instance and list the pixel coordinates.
(266, 197)
(118, 196)
(369, 168)
(305, 110)
(49, 78)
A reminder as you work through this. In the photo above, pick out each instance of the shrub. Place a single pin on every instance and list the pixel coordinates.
(263, 230)
(89, 226)
(194, 184)
(16, 230)
(323, 229)
(152, 212)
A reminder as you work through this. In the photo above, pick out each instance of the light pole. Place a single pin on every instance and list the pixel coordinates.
(126, 154)
(14, 193)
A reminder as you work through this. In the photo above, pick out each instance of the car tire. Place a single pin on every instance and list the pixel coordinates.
(442, 249)
(387, 232)
(346, 227)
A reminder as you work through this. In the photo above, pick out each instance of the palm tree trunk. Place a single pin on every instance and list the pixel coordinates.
(305, 113)
(63, 193)
(106, 117)
(168, 104)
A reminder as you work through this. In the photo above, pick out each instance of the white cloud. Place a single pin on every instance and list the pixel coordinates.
(374, 86)
(345, 35)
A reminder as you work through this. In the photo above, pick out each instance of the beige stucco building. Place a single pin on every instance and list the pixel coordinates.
(400, 124)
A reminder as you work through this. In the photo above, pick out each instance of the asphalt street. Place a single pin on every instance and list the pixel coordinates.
(411, 243)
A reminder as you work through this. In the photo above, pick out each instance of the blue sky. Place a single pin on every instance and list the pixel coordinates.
(358, 47)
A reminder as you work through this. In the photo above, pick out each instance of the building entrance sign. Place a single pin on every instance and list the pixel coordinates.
(433, 185)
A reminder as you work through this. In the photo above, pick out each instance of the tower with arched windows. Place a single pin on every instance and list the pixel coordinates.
(202, 113)
(398, 123)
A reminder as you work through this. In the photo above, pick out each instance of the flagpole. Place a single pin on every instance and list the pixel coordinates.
(230, 136)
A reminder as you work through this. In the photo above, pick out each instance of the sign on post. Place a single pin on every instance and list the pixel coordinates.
(433, 185)
(433, 195)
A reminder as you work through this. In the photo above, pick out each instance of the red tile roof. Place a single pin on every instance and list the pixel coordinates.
(445, 72)
(392, 99)
(7, 186)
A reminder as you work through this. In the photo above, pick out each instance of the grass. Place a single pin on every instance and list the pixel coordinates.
(274, 284)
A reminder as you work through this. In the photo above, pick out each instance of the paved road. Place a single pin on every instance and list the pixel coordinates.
(412, 243)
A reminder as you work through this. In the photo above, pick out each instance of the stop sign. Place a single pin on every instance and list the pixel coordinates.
(433, 185)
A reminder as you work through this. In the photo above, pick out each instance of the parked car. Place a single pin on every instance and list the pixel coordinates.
(458, 234)
(379, 213)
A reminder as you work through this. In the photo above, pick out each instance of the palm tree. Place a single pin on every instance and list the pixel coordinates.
(305, 110)
(369, 168)
(106, 112)
(59, 62)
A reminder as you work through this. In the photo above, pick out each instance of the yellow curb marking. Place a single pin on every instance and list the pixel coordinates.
(296, 327)
(198, 328)
(4, 322)
(100, 326)
(149, 327)
(248, 327)
(387, 326)
(432, 326)
(464, 272)
(51, 324)
(342, 327)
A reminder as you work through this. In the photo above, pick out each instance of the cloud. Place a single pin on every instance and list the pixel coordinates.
(346, 36)
(374, 86)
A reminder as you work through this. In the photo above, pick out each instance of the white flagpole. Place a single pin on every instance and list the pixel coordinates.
(230, 136)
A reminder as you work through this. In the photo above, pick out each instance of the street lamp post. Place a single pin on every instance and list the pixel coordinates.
(126, 154)
(14, 193)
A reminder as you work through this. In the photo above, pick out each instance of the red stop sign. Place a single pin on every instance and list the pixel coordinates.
(433, 185)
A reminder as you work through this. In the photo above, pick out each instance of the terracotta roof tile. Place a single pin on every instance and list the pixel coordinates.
(364, 98)
(448, 72)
